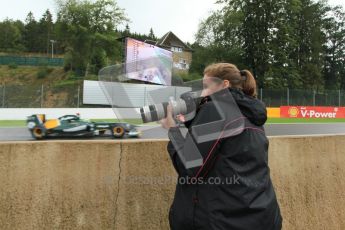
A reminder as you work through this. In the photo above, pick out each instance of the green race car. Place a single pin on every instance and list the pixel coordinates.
(73, 126)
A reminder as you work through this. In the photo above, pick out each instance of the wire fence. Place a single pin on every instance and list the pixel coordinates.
(71, 96)
(31, 61)
(276, 98)
(41, 96)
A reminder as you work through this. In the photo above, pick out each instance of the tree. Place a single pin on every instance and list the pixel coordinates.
(30, 33)
(152, 35)
(240, 32)
(127, 31)
(310, 50)
(10, 36)
(334, 66)
(285, 43)
(217, 40)
(20, 43)
(46, 29)
(282, 65)
(87, 31)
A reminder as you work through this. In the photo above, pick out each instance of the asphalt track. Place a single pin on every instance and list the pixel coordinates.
(156, 132)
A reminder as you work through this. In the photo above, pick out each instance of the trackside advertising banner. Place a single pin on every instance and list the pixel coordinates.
(312, 112)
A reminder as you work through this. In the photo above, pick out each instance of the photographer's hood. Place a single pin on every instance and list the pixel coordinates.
(251, 108)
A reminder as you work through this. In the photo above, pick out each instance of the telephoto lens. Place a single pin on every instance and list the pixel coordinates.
(186, 104)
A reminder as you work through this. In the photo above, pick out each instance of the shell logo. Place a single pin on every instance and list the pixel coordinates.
(293, 111)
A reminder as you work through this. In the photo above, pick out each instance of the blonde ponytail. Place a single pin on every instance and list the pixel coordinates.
(249, 83)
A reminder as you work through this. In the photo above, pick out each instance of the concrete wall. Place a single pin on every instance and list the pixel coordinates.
(94, 184)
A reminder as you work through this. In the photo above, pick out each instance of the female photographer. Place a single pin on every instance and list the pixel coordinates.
(243, 197)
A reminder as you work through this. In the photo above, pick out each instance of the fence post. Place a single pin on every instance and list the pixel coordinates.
(314, 94)
(144, 95)
(42, 96)
(339, 97)
(3, 96)
(78, 96)
(261, 94)
(288, 96)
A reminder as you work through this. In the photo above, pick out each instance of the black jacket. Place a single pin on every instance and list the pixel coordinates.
(233, 190)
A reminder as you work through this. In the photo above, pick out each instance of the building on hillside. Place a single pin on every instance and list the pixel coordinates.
(182, 53)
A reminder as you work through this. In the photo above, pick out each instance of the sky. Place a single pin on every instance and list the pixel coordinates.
(182, 17)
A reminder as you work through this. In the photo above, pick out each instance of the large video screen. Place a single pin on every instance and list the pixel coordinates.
(146, 62)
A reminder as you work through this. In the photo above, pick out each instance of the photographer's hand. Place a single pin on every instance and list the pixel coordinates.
(169, 121)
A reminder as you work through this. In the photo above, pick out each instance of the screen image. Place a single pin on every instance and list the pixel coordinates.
(146, 62)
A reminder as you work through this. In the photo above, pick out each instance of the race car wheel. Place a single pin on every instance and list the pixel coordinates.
(38, 133)
(118, 131)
